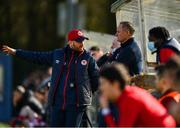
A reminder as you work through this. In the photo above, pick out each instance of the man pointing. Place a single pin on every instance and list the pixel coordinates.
(74, 78)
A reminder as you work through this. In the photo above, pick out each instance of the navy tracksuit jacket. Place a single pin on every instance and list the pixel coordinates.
(74, 77)
(130, 55)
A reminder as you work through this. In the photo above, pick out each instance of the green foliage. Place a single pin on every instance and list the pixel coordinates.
(99, 17)
(29, 24)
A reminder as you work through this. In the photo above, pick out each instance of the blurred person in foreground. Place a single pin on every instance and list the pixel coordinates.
(32, 80)
(18, 100)
(74, 78)
(96, 52)
(32, 111)
(103, 60)
(136, 107)
(161, 43)
(129, 53)
(45, 84)
(166, 84)
(176, 108)
(36, 103)
(177, 76)
(115, 45)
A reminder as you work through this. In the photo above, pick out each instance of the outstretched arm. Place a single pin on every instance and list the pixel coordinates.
(44, 58)
(8, 50)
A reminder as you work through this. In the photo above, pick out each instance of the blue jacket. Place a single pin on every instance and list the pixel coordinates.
(74, 77)
(130, 55)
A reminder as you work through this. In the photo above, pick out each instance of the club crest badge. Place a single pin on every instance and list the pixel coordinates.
(84, 62)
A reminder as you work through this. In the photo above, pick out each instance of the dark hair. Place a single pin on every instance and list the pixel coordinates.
(115, 72)
(128, 26)
(171, 67)
(160, 70)
(94, 48)
(159, 33)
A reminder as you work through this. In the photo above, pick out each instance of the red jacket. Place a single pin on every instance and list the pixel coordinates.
(165, 54)
(168, 49)
(138, 108)
(169, 100)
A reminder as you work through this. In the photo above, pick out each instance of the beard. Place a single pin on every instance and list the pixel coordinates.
(77, 48)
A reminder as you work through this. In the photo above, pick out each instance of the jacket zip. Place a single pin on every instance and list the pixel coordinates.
(65, 83)
(57, 80)
(76, 78)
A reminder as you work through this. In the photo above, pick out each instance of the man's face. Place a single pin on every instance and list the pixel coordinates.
(107, 89)
(77, 46)
(122, 34)
(152, 38)
(96, 54)
(155, 40)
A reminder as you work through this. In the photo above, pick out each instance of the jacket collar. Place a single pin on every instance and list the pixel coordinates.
(128, 42)
(166, 42)
(168, 91)
(68, 50)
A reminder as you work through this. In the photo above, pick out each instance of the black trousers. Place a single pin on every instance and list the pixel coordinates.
(69, 118)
